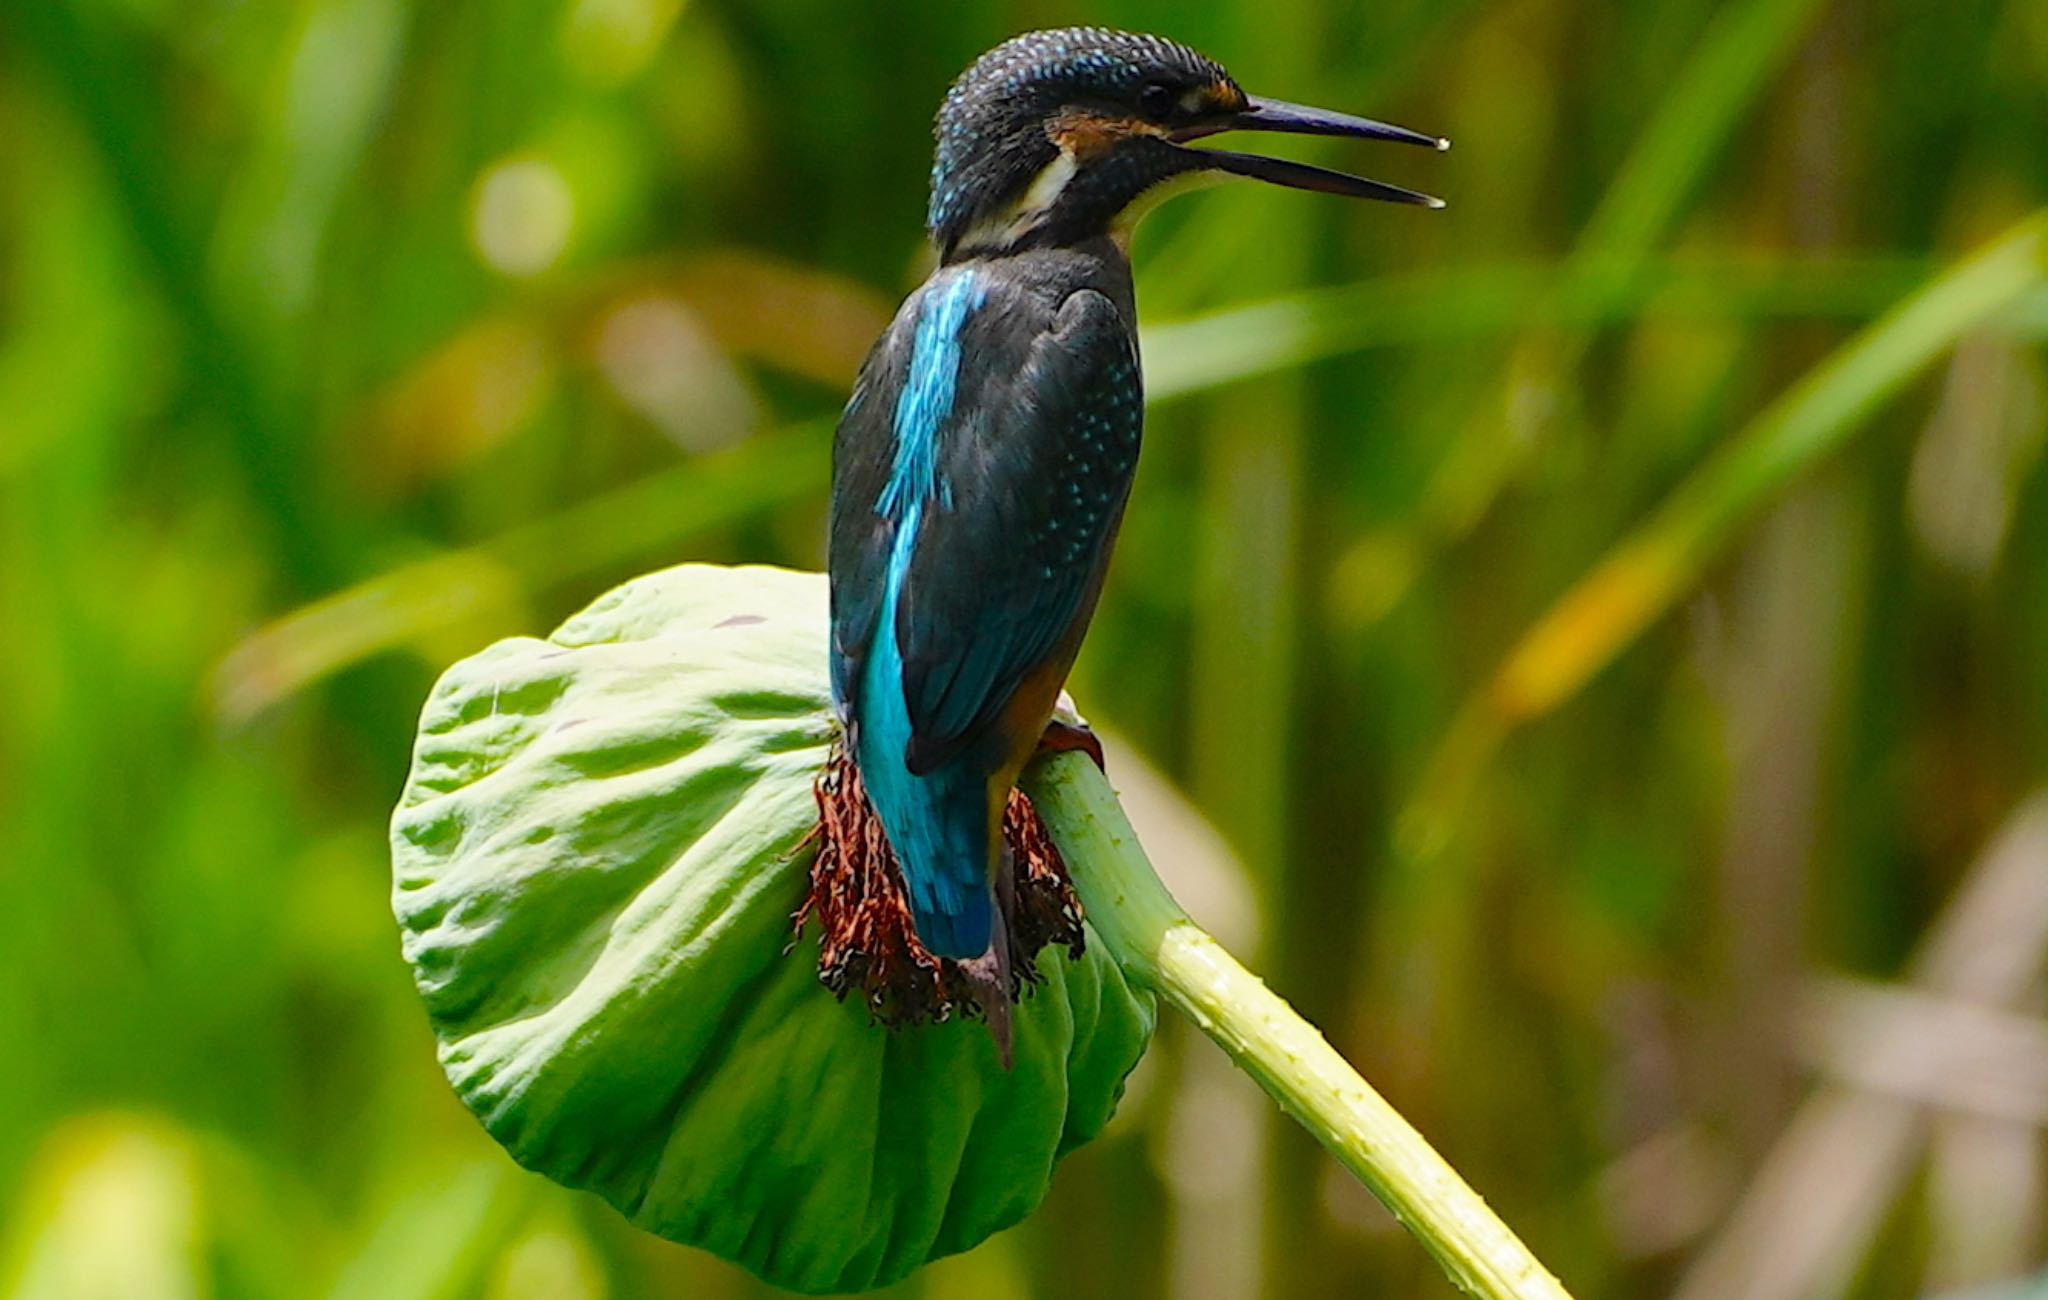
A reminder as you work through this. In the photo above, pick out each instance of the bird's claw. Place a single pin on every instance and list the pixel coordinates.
(1060, 736)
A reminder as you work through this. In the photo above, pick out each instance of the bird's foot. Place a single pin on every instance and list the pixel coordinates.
(1060, 736)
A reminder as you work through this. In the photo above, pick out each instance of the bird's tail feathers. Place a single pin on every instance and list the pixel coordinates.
(990, 973)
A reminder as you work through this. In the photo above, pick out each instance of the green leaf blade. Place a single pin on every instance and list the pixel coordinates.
(596, 863)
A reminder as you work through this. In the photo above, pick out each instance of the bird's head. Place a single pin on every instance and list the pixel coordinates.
(1056, 137)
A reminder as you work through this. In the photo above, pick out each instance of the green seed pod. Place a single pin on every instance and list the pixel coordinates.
(595, 864)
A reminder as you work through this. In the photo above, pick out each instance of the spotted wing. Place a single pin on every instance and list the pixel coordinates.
(1033, 472)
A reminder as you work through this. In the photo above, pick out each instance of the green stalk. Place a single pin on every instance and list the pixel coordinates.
(1162, 949)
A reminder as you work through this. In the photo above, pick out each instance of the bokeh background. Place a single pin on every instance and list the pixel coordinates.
(1606, 622)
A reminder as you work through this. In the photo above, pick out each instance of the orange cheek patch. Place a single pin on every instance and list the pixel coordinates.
(1085, 135)
(1224, 97)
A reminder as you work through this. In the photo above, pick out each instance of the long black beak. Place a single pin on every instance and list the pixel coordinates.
(1298, 119)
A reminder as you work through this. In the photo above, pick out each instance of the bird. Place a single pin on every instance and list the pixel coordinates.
(982, 463)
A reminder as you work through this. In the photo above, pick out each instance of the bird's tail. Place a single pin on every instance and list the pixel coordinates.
(943, 852)
(944, 826)
(990, 973)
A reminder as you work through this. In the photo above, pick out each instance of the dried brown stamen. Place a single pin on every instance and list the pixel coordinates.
(868, 942)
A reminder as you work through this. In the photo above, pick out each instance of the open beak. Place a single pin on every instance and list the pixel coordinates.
(1298, 119)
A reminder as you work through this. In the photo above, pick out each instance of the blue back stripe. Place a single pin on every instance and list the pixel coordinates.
(937, 822)
(927, 397)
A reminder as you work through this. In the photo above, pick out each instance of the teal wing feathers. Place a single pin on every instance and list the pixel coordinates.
(1039, 465)
(979, 475)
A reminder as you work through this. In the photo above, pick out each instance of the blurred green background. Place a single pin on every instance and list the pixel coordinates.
(1607, 621)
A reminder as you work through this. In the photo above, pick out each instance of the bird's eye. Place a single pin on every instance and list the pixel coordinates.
(1156, 99)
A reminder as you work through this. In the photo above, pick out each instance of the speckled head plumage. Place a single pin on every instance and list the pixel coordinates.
(1054, 136)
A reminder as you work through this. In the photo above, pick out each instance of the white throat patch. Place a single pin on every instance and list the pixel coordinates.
(1032, 206)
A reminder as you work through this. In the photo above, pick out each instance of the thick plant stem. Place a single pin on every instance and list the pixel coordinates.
(1158, 946)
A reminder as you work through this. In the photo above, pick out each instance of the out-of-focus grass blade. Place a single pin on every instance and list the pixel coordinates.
(395, 608)
(434, 1242)
(1737, 56)
(415, 600)
(1648, 571)
(1439, 306)
(113, 1206)
(104, 83)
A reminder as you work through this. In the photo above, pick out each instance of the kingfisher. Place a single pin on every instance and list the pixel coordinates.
(981, 466)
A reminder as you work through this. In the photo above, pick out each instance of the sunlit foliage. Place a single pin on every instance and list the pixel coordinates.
(339, 338)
